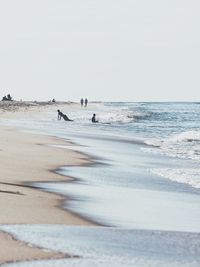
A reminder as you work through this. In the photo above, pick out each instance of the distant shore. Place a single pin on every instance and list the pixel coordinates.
(27, 158)
(13, 106)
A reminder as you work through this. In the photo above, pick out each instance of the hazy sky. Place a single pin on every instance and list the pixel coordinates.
(128, 50)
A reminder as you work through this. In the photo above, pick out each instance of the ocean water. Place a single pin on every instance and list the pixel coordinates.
(103, 247)
(173, 128)
(167, 128)
(144, 178)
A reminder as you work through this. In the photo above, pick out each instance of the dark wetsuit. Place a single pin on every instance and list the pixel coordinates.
(66, 118)
(60, 114)
(94, 119)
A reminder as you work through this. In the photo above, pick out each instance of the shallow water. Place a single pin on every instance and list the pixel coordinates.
(170, 128)
(121, 190)
(97, 246)
(145, 176)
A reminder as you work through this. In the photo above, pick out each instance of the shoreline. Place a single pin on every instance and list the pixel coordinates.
(14, 210)
(71, 196)
(22, 251)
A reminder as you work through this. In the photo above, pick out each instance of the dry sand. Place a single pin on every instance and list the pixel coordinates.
(26, 158)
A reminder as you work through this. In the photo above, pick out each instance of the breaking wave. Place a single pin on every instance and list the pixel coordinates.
(184, 145)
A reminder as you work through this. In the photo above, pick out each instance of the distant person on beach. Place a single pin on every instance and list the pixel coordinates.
(94, 118)
(7, 98)
(86, 102)
(82, 101)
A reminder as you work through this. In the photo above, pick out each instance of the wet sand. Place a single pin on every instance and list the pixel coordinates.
(27, 158)
(13, 250)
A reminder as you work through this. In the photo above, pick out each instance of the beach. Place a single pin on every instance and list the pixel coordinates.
(109, 194)
(27, 158)
(99, 133)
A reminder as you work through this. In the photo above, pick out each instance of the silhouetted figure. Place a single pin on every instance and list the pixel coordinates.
(64, 116)
(53, 100)
(86, 102)
(9, 98)
(94, 118)
(82, 101)
(60, 114)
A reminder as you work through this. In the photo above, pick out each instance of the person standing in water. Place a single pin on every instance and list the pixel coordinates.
(94, 118)
(82, 101)
(86, 102)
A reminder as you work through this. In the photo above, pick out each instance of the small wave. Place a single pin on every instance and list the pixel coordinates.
(121, 116)
(188, 136)
(186, 176)
(184, 145)
(137, 117)
(123, 113)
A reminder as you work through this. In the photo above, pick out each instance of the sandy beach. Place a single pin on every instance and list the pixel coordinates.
(58, 177)
(99, 134)
(27, 158)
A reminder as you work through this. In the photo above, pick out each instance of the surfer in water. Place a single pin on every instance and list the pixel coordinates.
(64, 116)
(94, 118)
(60, 114)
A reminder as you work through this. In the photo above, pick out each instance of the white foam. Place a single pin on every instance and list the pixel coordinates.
(184, 175)
(184, 145)
(188, 136)
(102, 247)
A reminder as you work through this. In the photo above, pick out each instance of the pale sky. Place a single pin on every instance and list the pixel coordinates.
(120, 50)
